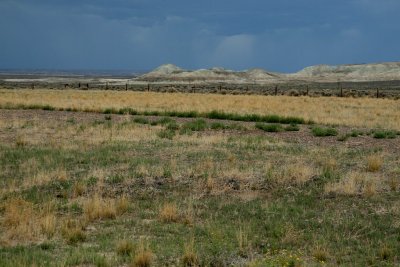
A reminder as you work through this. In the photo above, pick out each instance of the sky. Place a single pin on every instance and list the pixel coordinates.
(279, 35)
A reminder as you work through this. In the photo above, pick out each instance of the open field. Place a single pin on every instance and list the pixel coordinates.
(93, 189)
(361, 112)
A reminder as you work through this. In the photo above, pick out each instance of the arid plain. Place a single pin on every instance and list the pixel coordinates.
(108, 178)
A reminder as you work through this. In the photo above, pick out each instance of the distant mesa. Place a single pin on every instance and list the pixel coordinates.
(319, 73)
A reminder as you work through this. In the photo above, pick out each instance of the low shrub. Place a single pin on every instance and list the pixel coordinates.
(141, 120)
(166, 134)
(384, 134)
(165, 120)
(292, 128)
(343, 137)
(269, 127)
(172, 126)
(322, 132)
(356, 133)
(218, 126)
(194, 126)
(125, 248)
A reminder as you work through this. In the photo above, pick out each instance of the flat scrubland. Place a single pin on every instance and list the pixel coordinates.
(93, 189)
(362, 112)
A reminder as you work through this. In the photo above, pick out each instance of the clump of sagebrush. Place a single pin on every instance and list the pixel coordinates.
(384, 134)
(292, 128)
(356, 133)
(269, 127)
(322, 132)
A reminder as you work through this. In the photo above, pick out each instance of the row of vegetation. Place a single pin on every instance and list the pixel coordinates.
(171, 127)
(215, 114)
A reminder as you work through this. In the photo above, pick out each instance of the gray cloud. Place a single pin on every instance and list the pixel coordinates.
(283, 36)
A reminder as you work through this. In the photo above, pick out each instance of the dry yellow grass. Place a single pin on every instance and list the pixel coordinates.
(19, 220)
(122, 205)
(169, 213)
(125, 247)
(367, 112)
(73, 231)
(48, 224)
(43, 177)
(292, 236)
(242, 237)
(143, 257)
(190, 257)
(22, 223)
(374, 163)
(99, 208)
(355, 183)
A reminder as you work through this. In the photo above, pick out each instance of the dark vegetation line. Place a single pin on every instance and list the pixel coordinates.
(261, 121)
(182, 114)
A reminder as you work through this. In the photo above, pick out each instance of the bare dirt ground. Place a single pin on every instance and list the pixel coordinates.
(303, 136)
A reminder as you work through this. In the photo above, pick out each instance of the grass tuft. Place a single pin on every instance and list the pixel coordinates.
(374, 163)
(122, 205)
(97, 208)
(143, 257)
(322, 132)
(269, 127)
(141, 120)
(320, 254)
(72, 231)
(190, 257)
(125, 248)
(166, 134)
(169, 213)
(292, 128)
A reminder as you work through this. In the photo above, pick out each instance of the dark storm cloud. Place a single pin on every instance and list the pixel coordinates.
(281, 35)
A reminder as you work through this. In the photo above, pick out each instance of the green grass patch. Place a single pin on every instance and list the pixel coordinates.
(166, 134)
(384, 134)
(218, 126)
(292, 128)
(194, 126)
(322, 132)
(141, 120)
(269, 127)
